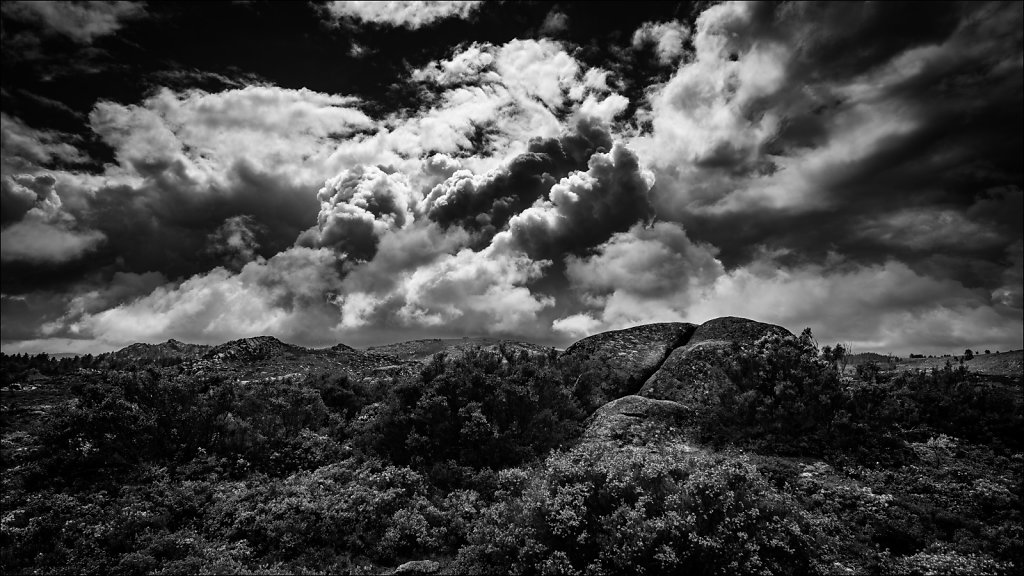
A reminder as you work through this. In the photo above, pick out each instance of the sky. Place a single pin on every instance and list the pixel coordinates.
(372, 172)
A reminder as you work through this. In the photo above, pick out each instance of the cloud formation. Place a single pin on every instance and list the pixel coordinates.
(410, 15)
(850, 167)
(82, 22)
(668, 40)
(37, 229)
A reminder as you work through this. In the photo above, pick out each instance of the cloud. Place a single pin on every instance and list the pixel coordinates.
(82, 22)
(235, 241)
(1011, 294)
(410, 15)
(464, 292)
(667, 38)
(282, 296)
(646, 274)
(485, 203)
(19, 194)
(851, 167)
(882, 307)
(817, 127)
(45, 233)
(554, 23)
(584, 208)
(185, 162)
(277, 128)
(359, 206)
(39, 239)
(22, 146)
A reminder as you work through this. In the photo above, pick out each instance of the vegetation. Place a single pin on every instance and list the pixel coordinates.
(476, 461)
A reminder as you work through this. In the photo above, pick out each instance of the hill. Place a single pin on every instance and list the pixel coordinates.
(423, 350)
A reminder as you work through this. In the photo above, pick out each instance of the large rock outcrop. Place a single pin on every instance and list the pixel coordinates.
(633, 354)
(696, 374)
(635, 419)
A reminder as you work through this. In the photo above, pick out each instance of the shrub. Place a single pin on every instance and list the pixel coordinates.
(642, 510)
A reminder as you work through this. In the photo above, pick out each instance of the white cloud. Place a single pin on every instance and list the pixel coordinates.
(40, 240)
(668, 39)
(411, 15)
(643, 275)
(283, 296)
(359, 206)
(884, 307)
(280, 130)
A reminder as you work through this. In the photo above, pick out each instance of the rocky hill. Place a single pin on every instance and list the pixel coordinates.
(148, 353)
(424, 350)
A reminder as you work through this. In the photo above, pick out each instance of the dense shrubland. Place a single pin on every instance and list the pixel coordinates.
(475, 461)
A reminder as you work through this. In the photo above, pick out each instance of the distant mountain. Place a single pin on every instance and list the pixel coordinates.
(147, 353)
(254, 349)
(424, 350)
(257, 358)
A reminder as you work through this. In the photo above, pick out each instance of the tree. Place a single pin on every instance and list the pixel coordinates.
(968, 354)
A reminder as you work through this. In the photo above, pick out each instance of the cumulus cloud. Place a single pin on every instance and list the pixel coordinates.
(642, 275)
(485, 203)
(585, 208)
(473, 291)
(359, 206)
(277, 128)
(667, 38)
(45, 233)
(411, 15)
(185, 162)
(82, 22)
(514, 92)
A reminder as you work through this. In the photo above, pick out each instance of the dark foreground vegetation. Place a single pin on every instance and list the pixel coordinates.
(482, 463)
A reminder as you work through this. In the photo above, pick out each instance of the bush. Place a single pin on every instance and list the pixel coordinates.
(649, 510)
(785, 399)
(478, 410)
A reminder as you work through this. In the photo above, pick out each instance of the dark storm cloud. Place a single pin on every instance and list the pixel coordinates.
(586, 208)
(236, 241)
(485, 204)
(852, 127)
(19, 194)
(166, 223)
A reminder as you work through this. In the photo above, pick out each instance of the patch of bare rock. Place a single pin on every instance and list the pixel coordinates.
(696, 374)
(632, 354)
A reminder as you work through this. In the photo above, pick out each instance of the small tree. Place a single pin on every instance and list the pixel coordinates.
(968, 354)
